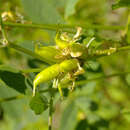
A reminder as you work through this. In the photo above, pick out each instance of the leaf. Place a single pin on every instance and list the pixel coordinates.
(121, 3)
(42, 11)
(70, 7)
(93, 66)
(38, 104)
(68, 121)
(12, 78)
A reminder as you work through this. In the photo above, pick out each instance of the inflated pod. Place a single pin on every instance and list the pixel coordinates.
(50, 53)
(53, 71)
(59, 42)
(68, 65)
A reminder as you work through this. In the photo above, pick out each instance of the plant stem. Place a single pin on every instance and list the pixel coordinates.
(26, 51)
(31, 70)
(54, 27)
(5, 41)
(124, 48)
(11, 98)
(48, 90)
(101, 77)
(50, 112)
(22, 96)
(91, 56)
(51, 89)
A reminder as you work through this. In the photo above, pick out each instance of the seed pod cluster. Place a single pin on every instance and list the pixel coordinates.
(65, 56)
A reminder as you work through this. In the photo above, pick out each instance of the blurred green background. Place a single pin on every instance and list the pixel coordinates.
(96, 105)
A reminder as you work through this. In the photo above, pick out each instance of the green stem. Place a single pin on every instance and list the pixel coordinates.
(11, 98)
(22, 96)
(101, 77)
(26, 51)
(52, 90)
(124, 48)
(5, 41)
(48, 90)
(54, 27)
(50, 113)
(96, 54)
(31, 70)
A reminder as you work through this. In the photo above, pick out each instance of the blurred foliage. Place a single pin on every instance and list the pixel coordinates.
(121, 3)
(96, 105)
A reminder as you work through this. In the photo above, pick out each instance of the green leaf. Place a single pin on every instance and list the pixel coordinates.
(121, 3)
(42, 11)
(12, 78)
(38, 104)
(93, 66)
(68, 121)
(70, 7)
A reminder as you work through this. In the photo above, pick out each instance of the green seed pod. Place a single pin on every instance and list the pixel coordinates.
(50, 53)
(59, 42)
(46, 75)
(53, 71)
(68, 65)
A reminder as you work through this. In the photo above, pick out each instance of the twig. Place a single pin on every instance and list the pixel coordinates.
(77, 83)
(11, 98)
(26, 51)
(50, 111)
(5, 41)
(54, 27)
(101, 77)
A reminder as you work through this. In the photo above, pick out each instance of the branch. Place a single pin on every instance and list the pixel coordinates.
(26, 51)
(101, 77)
(50, 110)
(64, 27)
(31, 70)
(22, 96)
(77, 83)
(52, 27)
(11, 98)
